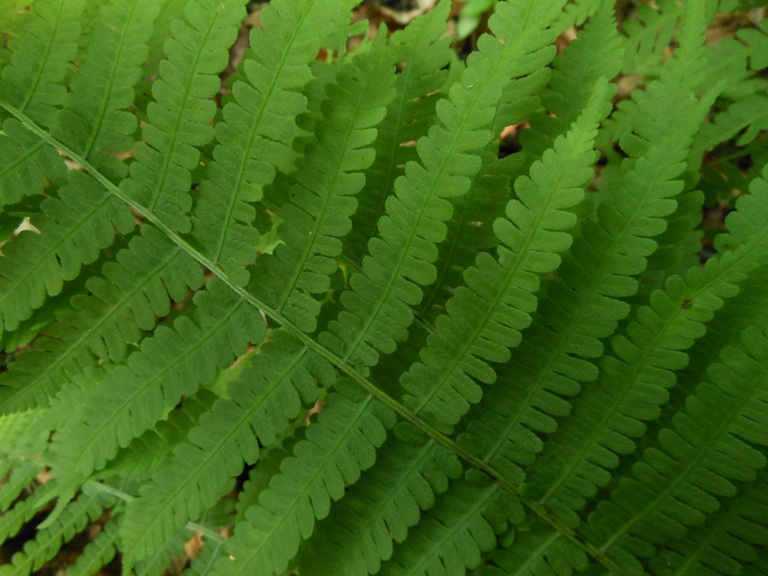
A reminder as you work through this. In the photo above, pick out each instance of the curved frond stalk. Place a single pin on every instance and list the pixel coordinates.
(257, 128)
(424, 54)
(25, 163)
(458, 531)
(73, 520)
(265, 400)
(340, 445)
(135, 290)
(378, 305)
(171, 364)
(319, 204)
(94, 122)
(72, 228)
(633, 384)
(718, 440)
(179, 118)
(33, 81)
(485, 318)
(378, 511)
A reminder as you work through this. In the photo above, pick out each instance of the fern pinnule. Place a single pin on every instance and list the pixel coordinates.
(93, 121)
(98, 552)
(135, 289)
(499, 295)
(74, 519)
(254, 137)
(455, 534)
(71, 229)
(424, 54)
(362, 529)
(718, 440)
(25, 164)
(173, 363)
(378, 303)
(33, 82)
(317, 208)
(337, 448)
(264, 401)
(179, 118)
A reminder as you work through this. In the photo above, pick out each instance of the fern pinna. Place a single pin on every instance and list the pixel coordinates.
(291, 310)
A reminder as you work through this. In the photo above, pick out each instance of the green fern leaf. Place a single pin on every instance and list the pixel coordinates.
(93, 121)
(33, 82)
(134, 291)
(173, 363)
(336, 449)
(98, 552)
(180, 115)
(264, 401)
(499, 293)
(74, 519)
(379, 510)
(258, 126)
(318, 206)
(378, 304)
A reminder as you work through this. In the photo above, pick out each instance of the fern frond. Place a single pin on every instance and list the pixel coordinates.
(94, 122)
(583, 305)
(539, 550)
(377, 307)
(633, 384)
(423, 52)
(133, 292)
(259, 124)
(73, 227)
(317, 209)
(648, 35)
(33, 81)
(337, 448)
(173, 363)
(179, 118)
(360, 532)
(264, 401)
(458, 531)
(711, 445)
(736, 536)
(98, 552)
(75, 517)
(205, 562)
(485, 318)
(25, 163)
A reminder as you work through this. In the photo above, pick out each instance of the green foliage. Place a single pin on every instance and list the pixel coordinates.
(294, 300)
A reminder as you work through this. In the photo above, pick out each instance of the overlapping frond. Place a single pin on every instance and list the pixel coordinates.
(377, 512)
(317, 207)
(180, 115)
(75, 517)
(263, 403)
(93, 121)
(173, 363)
(258, 127)
(136, 288)
(337, 448)
(72, 228)
(717, 441)
(485, 318)
(33, 82)
(400, 260)
(424, 55)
